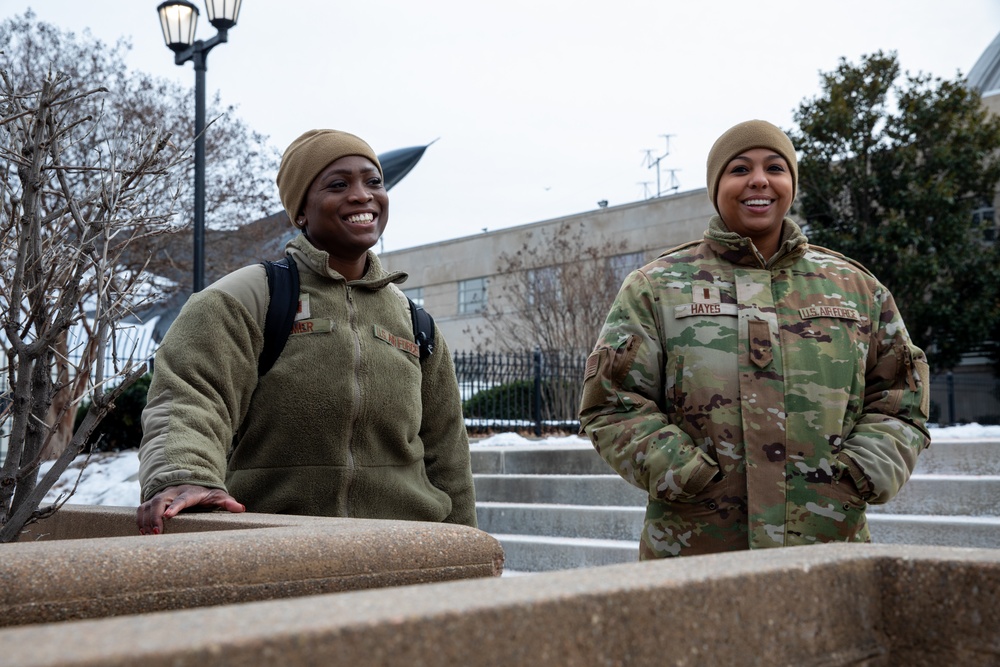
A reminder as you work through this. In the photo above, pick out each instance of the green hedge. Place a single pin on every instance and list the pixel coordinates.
(515, 400)
(512, 400)
(122, 428)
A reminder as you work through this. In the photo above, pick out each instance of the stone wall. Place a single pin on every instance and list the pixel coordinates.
(837, 604)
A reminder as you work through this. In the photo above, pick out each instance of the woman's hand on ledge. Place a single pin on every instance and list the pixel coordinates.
(170, 501)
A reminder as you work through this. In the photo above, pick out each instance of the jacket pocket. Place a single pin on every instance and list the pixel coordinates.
(911, 387)
(828, 508)
(605, 372)
(918, 381)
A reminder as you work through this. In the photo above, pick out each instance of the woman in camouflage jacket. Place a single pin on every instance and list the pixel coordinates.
(762, 390)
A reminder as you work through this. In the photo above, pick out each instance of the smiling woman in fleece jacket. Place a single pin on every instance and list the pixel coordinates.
(348, 422)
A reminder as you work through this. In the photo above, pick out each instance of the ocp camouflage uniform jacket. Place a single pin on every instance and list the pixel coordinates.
(759, 404)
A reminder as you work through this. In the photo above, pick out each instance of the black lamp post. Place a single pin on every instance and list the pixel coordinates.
(179, 18)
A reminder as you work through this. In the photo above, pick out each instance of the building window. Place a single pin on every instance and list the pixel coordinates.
(984, 218)
(545, 285)
(416, 295)
(622, 265)
(471, 296)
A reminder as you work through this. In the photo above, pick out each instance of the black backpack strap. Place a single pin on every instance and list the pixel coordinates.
(423, 329)
(283, 303)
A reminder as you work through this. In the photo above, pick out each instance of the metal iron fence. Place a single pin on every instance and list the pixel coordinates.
(539, 392)
(960, 398)
(532, 391)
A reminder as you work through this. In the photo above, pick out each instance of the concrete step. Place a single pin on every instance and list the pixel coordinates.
(961, 457)
(534, 553)
(625, 523)
(586, 521)
(559, 490)
(949, 531)
(559, 507)
(581, 459)
(942, 494)
(936, 494)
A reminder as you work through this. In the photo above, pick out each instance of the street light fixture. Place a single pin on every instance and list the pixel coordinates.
(179, 19)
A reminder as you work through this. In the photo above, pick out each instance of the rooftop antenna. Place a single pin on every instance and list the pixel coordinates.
(645, 188)
(674, 183)
(650, 162)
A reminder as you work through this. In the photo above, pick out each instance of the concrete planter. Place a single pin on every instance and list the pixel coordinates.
(89, 561)
(836, 604)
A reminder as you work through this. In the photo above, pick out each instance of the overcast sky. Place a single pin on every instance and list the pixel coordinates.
(541, 108)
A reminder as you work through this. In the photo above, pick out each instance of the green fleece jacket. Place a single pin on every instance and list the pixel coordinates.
(348, 422)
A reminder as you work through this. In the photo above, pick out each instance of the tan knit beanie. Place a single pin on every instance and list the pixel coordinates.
(310, 154)
(743, 137)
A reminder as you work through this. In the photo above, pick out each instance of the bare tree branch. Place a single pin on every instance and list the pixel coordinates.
(67, 232)
(553, 293)
(24, 514)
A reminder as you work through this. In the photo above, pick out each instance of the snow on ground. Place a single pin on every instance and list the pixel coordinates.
(109, 478)
(112, 478)
(964, 432)
(508, 439)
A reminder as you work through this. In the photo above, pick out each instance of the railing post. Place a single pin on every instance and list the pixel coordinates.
(537, 407)
(950, 384)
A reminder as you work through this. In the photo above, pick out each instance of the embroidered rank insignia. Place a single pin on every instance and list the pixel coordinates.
(403, 344)
(705, 294)
(303, 312)
(761, 353)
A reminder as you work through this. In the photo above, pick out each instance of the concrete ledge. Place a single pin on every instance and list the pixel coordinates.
(79, 564)
(837, 604)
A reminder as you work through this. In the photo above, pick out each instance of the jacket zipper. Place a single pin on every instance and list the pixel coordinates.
(355, 404)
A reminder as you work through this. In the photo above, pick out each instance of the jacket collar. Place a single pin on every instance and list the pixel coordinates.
(741, 250)
(318, 261)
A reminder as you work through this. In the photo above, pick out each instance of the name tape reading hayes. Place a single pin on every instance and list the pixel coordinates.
(807, 313)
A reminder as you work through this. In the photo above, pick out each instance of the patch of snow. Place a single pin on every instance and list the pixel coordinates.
(964, 432)
(109, 478)
(511, 439)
